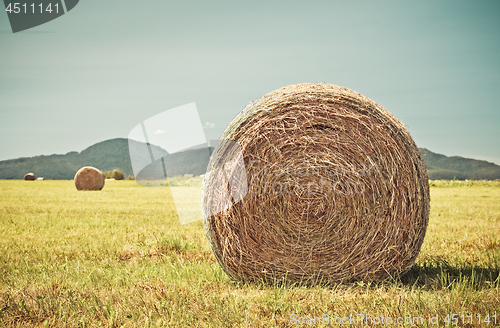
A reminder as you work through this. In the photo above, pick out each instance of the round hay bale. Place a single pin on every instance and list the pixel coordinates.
(337, 190)
(30, 177)
(89, 178)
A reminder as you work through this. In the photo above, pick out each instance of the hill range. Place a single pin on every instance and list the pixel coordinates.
(114, 154)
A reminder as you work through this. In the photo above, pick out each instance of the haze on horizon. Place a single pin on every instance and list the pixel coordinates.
(100, 70)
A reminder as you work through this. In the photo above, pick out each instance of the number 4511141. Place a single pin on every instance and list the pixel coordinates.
(24, 8)
(454, 319)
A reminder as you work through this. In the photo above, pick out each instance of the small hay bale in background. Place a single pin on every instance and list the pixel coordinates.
(337, 190)
(89, 178)
(30, 177)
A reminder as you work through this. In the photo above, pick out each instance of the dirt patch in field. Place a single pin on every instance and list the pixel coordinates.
(134, 254)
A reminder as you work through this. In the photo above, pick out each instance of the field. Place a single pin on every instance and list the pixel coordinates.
(119, 257)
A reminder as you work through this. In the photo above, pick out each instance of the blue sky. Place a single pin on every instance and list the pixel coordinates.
(98, 71)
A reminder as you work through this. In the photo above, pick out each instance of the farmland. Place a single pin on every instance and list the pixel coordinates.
(120, 257)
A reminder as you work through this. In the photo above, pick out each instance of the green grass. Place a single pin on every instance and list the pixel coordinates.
(119, 257)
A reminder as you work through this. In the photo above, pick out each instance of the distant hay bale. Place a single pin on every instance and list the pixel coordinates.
(89, 178)
(337, 190)
(30, 177)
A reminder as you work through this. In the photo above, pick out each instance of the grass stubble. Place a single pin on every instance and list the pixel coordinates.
(120, 258)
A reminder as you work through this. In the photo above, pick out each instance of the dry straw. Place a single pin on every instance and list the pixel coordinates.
(89, 178)
(337, 190)
(29, 177)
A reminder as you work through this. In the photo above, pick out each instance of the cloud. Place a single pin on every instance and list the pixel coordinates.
(160, 131)
(209, 125)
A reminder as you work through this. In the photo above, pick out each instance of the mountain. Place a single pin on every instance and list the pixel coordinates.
(441, 167)
(106, 155)
(114, 154)
(194, 161)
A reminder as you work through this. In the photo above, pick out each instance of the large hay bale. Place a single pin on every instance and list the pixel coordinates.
(337, 190)
(89, 178)
(30, 177)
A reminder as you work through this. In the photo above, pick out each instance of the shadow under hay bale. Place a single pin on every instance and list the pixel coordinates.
(337, 190)
(30, 177)
(89, 178)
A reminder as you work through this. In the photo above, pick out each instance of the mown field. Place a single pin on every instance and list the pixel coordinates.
(120, 258)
